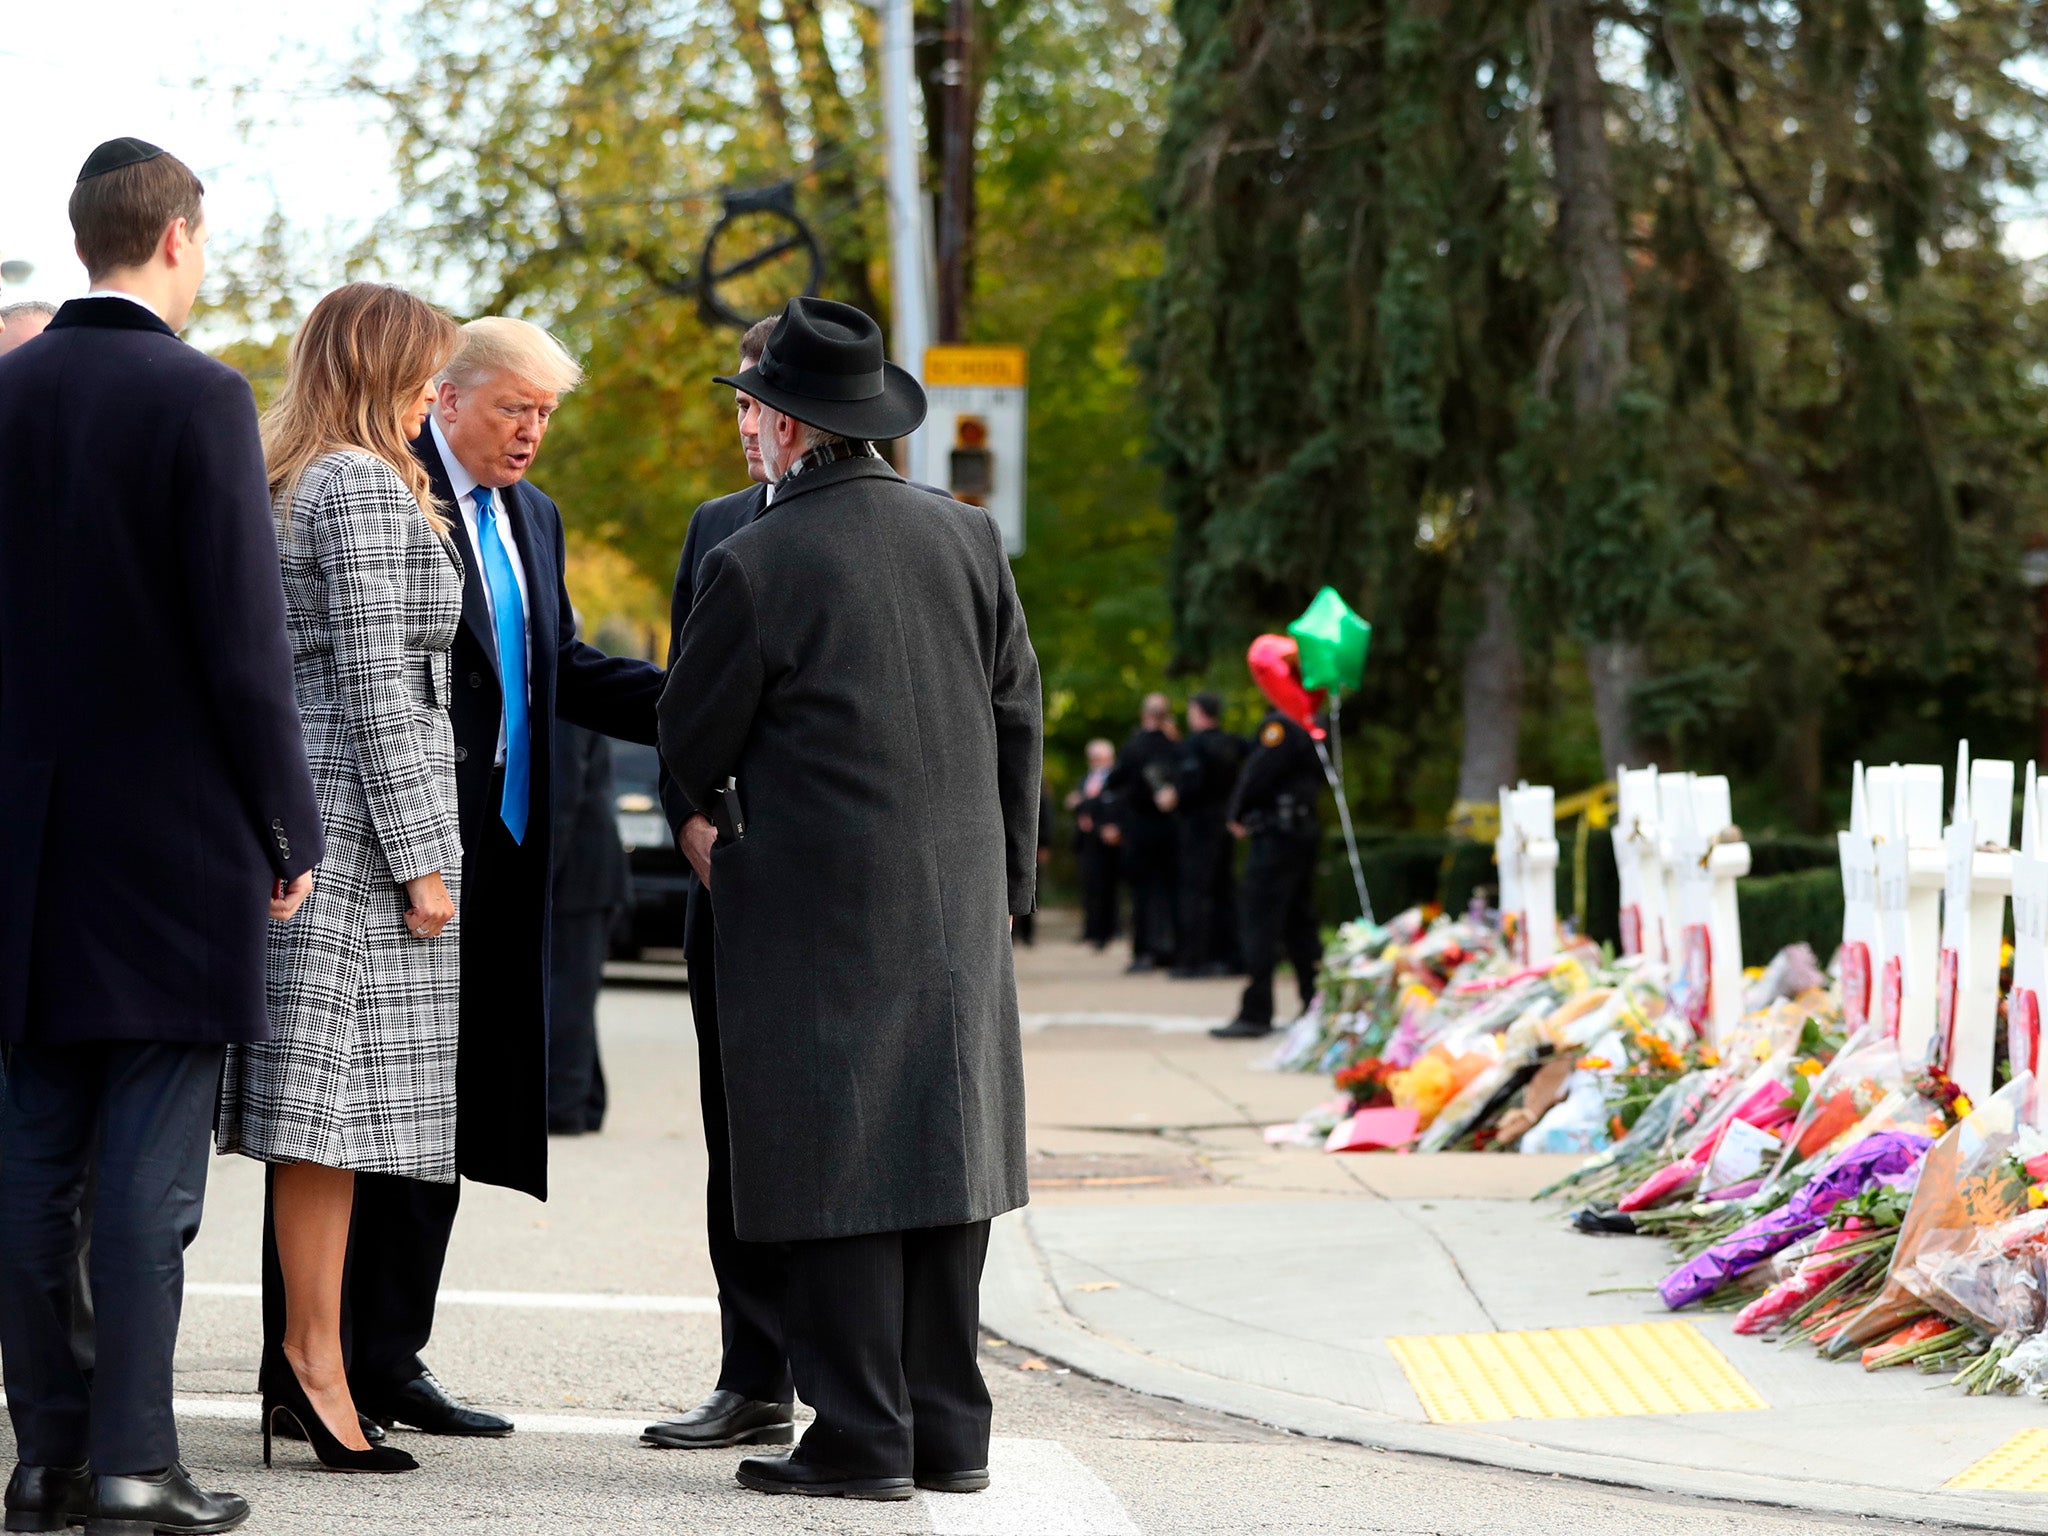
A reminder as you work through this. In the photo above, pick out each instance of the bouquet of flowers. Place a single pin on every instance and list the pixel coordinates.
(1967, 1184)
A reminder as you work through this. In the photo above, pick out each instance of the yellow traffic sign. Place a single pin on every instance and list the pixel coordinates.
(988, 367)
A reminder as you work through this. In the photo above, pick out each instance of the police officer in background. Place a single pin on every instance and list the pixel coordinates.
(1274, 807)
(1204, 777)
(1142, 781)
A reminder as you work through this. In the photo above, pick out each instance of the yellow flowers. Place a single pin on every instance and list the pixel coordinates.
(1962, 1107)
(1594, 1064)
(2036, 1197)
(1709, 1057)
(1807, 1067)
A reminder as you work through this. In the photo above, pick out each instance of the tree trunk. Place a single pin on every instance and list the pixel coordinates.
(1615, 667)
(1493, 697)
(1589, 236)
(1589, 231)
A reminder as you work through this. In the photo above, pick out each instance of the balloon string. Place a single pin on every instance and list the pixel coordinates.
(1330, 772)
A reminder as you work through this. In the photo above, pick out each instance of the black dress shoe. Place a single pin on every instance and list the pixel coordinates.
(166, 1501)
(1241, 1029)
(791, 1474)
(375, 1433)
(724, 1418)
(424, 1404)
(48, 1498)
(971, 1481)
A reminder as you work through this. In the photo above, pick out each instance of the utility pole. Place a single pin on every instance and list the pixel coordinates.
(959, 169)
(909, 296)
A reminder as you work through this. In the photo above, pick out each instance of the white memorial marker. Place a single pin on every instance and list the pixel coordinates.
(1674, 810)
(1911, 870)
(1507, 861)
(2029, 944)
(1979, 875)
(1535, 812)
(1860, 943)
(1637, 865)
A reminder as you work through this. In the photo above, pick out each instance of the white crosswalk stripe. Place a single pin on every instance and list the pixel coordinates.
(559, 1301)
(1036, 1488)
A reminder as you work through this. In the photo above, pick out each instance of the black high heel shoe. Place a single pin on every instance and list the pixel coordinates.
(333, 1455)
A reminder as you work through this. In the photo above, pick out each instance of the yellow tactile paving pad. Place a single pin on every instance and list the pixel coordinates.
(1571, 1373)
(2018, 1466)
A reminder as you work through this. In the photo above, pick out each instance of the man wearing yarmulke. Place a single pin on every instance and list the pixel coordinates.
(156, 811)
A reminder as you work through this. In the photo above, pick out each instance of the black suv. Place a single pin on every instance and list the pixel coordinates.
(653, 918)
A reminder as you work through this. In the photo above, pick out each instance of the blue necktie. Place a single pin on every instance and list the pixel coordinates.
(509, 619)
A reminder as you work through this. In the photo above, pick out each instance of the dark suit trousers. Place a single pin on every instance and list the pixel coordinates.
(882, 1337)
(1279, 917)
(751, 1276)
(139, 1115)
(1208, 894)
(1149, 864)
(576, 1090)
(1098, 889)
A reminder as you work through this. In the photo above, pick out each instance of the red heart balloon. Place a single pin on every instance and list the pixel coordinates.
(1275, 661)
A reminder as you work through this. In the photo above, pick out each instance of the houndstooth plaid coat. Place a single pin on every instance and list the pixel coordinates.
(360, 1068)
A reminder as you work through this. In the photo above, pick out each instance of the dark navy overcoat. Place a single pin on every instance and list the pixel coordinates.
(153, 780)
(502, 1072)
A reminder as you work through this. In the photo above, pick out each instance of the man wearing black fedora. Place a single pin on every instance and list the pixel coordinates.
(854, 702)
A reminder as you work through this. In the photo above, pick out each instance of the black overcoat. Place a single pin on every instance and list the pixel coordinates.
(711, 525)
(858, 658)
(502, 1096)
(153, 780)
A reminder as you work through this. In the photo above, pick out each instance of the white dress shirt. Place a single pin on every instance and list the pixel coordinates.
(116, 293)
(464, 485)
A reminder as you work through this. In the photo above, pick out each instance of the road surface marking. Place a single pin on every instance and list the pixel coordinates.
(2018, 1466)
(1164, 1023)
(248, 1410)
(1036, 1488)
(1571, 1373)
(554, 1301)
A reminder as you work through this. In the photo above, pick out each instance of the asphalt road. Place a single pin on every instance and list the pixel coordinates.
(589, 1315)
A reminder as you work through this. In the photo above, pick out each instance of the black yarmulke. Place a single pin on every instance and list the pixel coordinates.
(114, 154)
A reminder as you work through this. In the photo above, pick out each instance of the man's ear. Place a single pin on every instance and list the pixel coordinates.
(445, 396)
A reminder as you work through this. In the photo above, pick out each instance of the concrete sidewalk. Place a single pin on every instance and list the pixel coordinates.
(1169, 1250)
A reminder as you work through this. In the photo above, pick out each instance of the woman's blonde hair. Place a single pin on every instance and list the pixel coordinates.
(361, 358)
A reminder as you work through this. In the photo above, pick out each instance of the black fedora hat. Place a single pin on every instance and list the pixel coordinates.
(823, 365)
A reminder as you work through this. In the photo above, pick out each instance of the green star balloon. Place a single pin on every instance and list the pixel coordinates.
(1333, 642)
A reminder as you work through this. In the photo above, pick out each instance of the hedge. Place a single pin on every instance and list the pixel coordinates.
(1805, 906)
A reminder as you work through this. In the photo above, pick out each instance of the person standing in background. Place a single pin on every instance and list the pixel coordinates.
(1143, 782)
(590, 888)
(155, 809)
(1095, 845)
(24, 322)
(1274, 808)
(1205, 773)
(754, 1399)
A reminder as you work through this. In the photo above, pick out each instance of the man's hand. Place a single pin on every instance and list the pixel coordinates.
(285, 900)
(1167, 798)
(695, 842)
(1239, 831)
(1112, 833)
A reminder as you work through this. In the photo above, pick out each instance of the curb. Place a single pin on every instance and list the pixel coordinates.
(1020, 1303)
